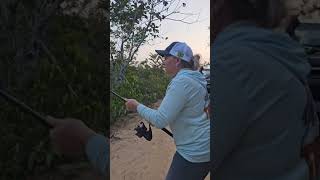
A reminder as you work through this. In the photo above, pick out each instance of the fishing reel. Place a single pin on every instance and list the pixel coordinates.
(142, 131)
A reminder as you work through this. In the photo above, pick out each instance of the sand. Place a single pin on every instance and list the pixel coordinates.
(133, 158)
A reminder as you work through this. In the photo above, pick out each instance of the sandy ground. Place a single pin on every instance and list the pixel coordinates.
(133, 158)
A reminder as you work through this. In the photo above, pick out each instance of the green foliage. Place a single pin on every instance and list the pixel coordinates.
(70, 84)
(133, 23)
(145, 84)
(130, 16)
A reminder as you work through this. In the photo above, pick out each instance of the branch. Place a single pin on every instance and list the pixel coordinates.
(182, 20)
(122, 49)
(177, 7)
(131, 54)
(43, 4)
(48, 52)
(188, 14)
(83, 6)
(170, 4)
(54, 61)
(49, 10)
(143, 39)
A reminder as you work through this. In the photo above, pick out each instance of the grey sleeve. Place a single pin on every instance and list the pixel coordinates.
(229, 106)
(97, 151)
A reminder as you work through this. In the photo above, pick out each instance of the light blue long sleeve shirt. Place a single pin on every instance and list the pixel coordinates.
(258, 105)
(183, 110)
(97, 151)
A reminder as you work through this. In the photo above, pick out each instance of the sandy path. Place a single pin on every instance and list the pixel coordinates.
(133, 158)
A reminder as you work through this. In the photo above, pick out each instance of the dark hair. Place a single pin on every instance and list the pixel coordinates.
(185, 64)
(193, 64)
(196, 62)
(265, 13)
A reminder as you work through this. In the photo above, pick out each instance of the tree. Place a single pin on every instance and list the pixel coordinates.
(24, 30)
(23, 25)
(54, 62)
(154, 61)
(135, 22)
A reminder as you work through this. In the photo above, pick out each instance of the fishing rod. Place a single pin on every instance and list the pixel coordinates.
(25, 108)
(141, 129)
(120, 97)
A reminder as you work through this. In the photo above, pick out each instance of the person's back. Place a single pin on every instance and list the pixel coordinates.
(258, 105)
(191, 129)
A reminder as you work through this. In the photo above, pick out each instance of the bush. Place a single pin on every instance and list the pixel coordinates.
(69, 85)
(146, 85)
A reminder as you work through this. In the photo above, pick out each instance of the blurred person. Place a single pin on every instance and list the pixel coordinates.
(259, 93)
(73, 138)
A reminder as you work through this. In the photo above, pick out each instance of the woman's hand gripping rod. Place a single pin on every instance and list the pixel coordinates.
(124, 99)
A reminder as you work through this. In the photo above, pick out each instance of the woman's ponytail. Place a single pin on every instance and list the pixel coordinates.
(196, 62)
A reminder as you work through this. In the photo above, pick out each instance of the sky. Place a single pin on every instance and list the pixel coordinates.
(196, 35)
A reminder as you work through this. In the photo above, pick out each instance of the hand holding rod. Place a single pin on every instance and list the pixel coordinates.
(124, 99)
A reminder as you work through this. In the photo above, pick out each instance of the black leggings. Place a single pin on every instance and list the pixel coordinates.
(183, 169)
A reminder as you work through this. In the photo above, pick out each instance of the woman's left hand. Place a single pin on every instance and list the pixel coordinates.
(132, 105)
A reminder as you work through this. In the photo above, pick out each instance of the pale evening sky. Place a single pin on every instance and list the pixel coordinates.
(196, 35)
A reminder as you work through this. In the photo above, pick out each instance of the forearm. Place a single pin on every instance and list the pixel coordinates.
(97, 151)
(153, 116)
(170, 106)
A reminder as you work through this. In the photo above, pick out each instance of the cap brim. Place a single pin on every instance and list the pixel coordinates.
(162, 53)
